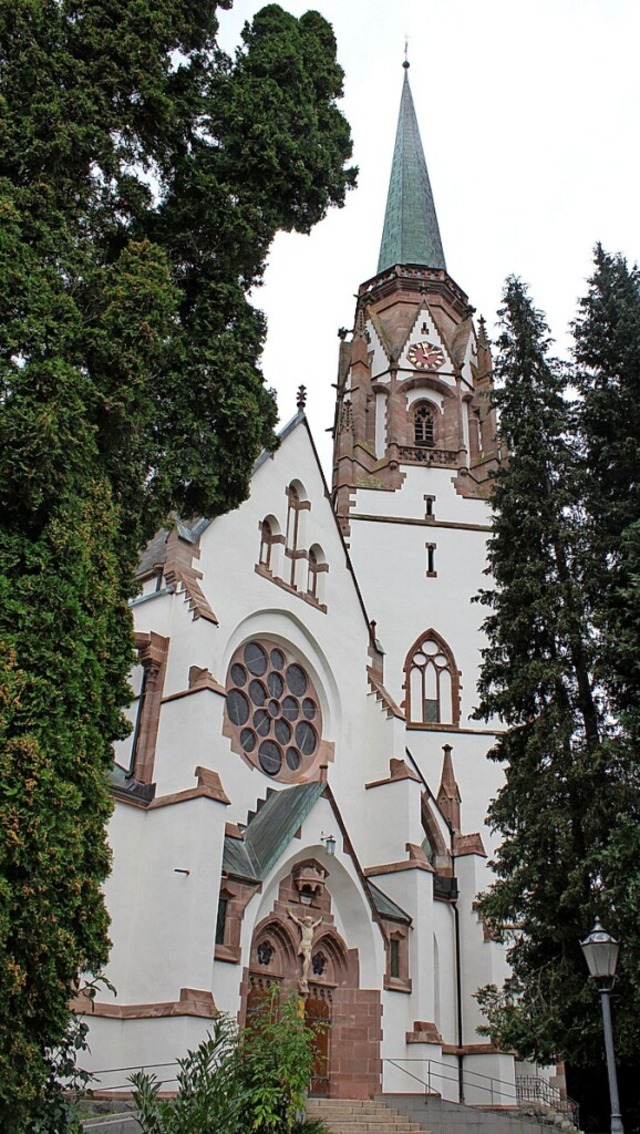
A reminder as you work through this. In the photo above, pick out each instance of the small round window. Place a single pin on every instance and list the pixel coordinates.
(273, 712)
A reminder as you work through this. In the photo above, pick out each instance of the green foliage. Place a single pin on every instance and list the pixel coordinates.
(143, 175)
(607, 334)
(57, 1111)
(276, 1058)
(207, 1096)
(570, 776)
(234, 1083)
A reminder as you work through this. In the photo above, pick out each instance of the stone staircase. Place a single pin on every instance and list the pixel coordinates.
(360, 1116)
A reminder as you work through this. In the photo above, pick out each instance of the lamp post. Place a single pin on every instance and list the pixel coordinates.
(601, 954)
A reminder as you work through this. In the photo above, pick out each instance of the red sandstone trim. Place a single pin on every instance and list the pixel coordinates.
(260, 569)
(383, 696)
(398, 771)
(209, 787)
(192, 1002)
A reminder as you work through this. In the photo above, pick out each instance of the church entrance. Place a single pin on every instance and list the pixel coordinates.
(317, 1016)
(298, 948)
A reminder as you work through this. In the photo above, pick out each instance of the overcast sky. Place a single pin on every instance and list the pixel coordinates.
(529, 113)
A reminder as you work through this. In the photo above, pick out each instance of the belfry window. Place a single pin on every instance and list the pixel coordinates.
(424, 425)
(432, 682)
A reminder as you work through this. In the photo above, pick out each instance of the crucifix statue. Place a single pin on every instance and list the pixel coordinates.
(307, 926)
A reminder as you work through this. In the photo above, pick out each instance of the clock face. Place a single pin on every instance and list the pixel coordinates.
(425, 356)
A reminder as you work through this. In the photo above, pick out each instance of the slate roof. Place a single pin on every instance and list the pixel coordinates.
(270, 831)
(386, 907)
(410, 234)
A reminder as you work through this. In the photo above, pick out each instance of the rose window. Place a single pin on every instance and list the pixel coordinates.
(273, 709)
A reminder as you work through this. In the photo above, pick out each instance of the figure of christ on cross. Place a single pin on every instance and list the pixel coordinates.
(307, 926)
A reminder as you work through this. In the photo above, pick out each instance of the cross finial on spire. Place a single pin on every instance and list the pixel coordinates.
(406, 63)
(301, 397)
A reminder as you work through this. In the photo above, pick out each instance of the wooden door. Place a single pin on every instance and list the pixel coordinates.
(317, 1016)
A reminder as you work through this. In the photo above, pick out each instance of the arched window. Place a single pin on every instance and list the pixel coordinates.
(266, 543)
(271, 547)
(424, 430)
(318, 567)
(432, 682)
(293, 517)
(297, 505)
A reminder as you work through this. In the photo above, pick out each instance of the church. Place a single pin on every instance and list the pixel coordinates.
(302, 799)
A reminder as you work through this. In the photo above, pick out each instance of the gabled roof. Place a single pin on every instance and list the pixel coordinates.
(271, 829)
(411, 234)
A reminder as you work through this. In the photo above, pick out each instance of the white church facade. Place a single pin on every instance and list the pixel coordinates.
(302, 800)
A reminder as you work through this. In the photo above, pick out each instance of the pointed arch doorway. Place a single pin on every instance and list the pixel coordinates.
(345, 1017)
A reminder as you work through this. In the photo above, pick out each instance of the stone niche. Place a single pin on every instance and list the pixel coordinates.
(309, 880)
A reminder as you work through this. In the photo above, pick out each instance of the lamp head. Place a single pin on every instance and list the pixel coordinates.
(601, 954)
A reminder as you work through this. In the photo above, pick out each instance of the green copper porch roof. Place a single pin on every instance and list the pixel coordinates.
(270, 831)
(410, 234)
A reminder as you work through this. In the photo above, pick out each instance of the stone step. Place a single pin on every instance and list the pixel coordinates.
(360, 1116)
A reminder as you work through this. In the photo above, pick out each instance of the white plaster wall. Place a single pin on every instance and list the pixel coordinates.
(393, 820)
(483, 961)
(117, 1047)
(163, 922)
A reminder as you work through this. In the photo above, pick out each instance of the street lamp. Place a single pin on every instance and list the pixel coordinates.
(601, 954)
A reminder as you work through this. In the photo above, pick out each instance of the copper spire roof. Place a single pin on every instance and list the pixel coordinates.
(411, 234)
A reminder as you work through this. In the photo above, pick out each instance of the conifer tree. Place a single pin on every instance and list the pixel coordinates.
(607, 352)
(143, 176)
(607, 355)
(566, 782)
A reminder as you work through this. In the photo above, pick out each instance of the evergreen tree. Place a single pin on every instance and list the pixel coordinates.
(566, 783)
(607, 352)
(143, 175)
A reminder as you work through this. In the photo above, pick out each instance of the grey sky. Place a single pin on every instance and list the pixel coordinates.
(528, 111)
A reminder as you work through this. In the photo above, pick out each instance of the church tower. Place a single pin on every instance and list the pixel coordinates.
(413, 381)
(414, 446)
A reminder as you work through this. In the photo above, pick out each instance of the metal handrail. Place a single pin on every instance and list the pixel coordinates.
(528, 1088)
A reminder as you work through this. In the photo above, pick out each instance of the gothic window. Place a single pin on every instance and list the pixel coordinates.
(272, 710)
(432, 682)
(424, 425)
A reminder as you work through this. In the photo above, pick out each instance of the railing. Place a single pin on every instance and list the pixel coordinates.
(493, 1094)
(533, 1089)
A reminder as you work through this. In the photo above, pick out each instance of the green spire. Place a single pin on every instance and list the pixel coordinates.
(411, 234)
